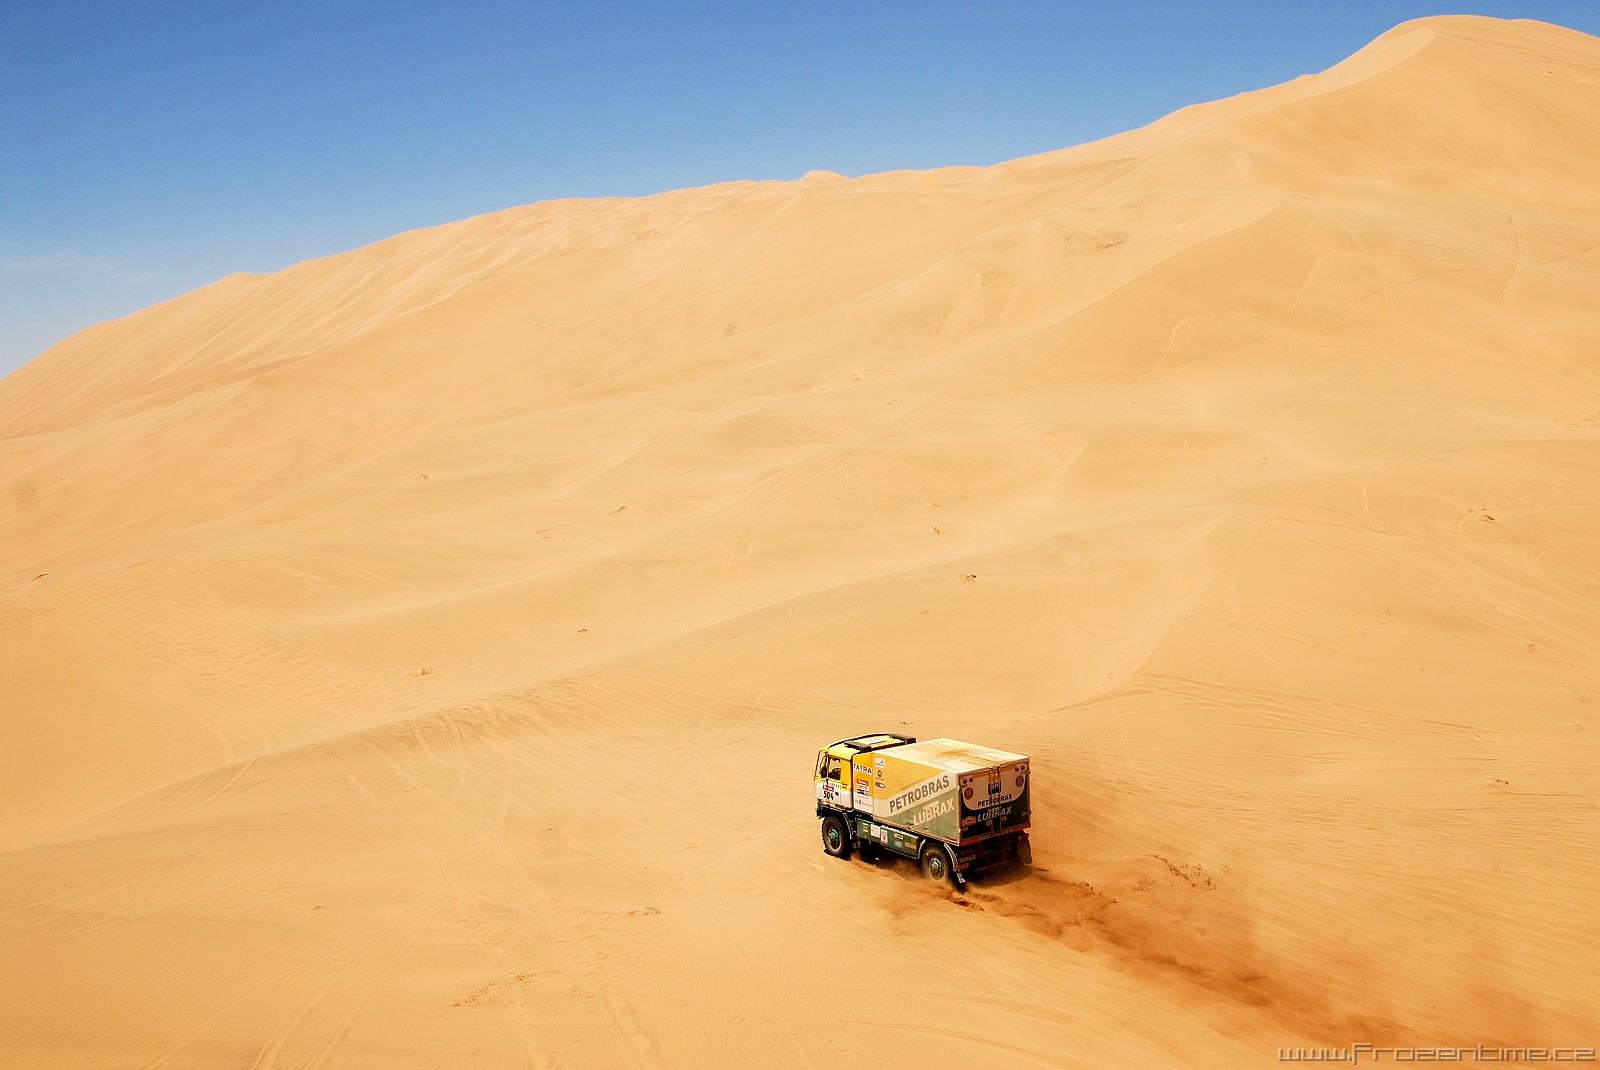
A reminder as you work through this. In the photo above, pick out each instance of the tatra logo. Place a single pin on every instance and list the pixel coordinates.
(918, 792)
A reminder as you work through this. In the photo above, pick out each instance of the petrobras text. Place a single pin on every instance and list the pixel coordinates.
(918, 792)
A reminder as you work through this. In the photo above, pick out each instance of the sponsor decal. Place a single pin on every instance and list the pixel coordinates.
(937, 808)
(918, 793)
(998, 790)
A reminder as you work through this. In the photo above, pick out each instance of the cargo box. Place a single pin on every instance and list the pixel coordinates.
(953, 791)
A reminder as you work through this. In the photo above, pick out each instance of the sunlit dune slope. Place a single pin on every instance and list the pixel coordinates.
(416, 656)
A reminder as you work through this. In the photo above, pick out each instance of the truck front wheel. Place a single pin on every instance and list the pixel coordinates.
(835, 837)
(936, 862)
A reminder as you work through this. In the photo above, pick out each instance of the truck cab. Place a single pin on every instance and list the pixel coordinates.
(838, 780)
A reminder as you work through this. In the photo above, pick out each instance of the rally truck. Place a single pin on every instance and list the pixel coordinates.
(956, 808)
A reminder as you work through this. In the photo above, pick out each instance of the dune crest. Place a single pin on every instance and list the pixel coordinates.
(416, 656)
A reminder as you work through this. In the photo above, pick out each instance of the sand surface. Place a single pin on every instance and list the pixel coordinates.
(416, 657)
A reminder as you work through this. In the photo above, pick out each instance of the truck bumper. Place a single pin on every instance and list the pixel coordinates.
(994, 853)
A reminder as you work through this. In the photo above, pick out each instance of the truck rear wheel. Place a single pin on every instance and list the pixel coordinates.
(936, 863)
(835, 837)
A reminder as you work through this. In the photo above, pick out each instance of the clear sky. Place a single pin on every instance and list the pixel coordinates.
(148, 147)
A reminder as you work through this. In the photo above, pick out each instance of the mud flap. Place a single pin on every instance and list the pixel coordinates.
(1024, 851)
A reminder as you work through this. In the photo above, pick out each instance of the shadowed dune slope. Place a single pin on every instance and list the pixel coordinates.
(416, 657)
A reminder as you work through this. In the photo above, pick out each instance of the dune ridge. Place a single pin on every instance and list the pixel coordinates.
(415, 656)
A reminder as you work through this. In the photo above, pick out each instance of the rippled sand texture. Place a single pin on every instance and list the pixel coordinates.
(416, 657)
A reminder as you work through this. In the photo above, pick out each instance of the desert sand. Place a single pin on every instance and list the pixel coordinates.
(416, 657)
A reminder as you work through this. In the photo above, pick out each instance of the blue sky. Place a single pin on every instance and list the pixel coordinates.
(147, 148)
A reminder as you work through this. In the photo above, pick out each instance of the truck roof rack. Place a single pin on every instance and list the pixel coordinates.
(874, 741)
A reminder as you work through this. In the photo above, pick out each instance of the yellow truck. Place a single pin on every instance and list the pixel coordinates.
(957, 808)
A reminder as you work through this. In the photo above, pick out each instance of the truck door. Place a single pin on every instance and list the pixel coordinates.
(979, 789)
(994, 799)
(833, 784)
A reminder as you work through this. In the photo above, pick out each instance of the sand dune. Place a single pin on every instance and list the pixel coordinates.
(415, 657)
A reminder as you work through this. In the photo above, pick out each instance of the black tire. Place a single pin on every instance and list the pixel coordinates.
(936, 864)
(835, 837)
